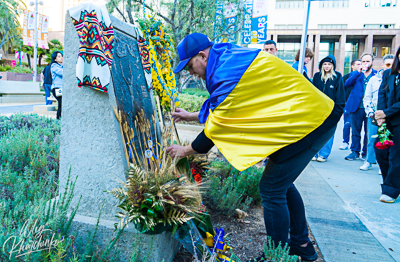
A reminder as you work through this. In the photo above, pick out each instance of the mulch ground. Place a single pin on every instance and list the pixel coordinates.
(246, 237)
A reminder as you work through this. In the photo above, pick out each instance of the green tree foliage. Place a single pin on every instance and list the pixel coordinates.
(181, 16)
(9, 25)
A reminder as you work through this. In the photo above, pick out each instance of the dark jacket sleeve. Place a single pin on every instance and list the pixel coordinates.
(382, 91)
(352, 79)
(340, 98)
(394, 109)
(202, 144)
(314, 80)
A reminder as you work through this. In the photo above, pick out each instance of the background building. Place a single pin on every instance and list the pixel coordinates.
(344, 28)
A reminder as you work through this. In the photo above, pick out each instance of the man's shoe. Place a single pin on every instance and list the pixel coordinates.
(353, 156)
(306, 253)
(314, 158)
(321, 159)
(344, 146)
(387, 199)
(366, 166)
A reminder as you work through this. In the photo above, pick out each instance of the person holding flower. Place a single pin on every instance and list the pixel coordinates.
(389, 112)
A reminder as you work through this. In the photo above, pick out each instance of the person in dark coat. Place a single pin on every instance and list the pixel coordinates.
(389, 112)
(330, 82)
(47, 81)
(355, 64)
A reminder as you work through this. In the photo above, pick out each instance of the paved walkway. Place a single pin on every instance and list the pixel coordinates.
(344, 212)
(7, 109)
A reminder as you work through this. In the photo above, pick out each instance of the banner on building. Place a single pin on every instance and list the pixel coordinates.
(248, 13)
(45, 25)
(28, 35)
(31, 20)
(225, 19)
(259, 20)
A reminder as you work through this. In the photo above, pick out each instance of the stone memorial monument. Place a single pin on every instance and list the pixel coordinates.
(91, 142)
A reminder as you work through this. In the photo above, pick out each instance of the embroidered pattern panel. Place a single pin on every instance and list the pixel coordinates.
(96, 49)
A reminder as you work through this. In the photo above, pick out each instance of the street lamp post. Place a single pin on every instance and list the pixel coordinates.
(35, 38)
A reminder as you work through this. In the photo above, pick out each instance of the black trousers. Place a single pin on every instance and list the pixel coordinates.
(59, 98)
(389, 162)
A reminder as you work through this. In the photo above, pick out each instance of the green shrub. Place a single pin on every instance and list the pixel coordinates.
(224, 197)
(5, 68)
(274, 254)
(29, 150)
(246, 181)
(191, 103)
(196, 91)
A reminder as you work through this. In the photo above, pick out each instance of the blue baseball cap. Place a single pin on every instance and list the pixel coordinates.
(190, 46)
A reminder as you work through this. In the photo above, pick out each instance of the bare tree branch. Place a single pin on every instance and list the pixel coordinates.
(119, 11)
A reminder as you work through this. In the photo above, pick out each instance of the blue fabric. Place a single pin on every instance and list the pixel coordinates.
(326, 149)
(371, 131)
(47, 75)
(355, 80)
(225, 67)
(47, 91)
(358, 120)
(296, 66)
(346, 127)
(57, 75)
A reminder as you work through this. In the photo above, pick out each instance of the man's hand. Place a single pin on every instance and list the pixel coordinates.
(379, 115)
(380, 121)
(180, 151)
(181, 114)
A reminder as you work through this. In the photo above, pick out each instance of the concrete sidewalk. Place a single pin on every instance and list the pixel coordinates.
(344, 212)
(8, 109)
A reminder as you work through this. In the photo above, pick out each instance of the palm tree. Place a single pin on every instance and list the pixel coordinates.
(10, 27)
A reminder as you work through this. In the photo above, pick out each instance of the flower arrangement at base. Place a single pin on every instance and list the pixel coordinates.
(158, 193)
(384, 140)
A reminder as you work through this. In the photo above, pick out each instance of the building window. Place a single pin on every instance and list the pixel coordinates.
(380, 3)
(334, 4)
(385, 51)
(287, 51)
(351, 53)
(326, 49)
(286, 4)
(379, 26)
(374, 51)
(288, 26)
(332, 26)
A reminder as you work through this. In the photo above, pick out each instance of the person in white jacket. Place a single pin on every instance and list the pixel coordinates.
(370, 102)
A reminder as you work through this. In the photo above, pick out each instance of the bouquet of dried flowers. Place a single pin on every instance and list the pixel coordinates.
(158, 195)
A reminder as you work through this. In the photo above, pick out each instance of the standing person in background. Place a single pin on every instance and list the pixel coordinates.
(308, 56)
(47, 80)
(270, 47)
(370, 102)
(57, 77)
(355, 65)
(358, 81)
(331, 84)
(389, 112)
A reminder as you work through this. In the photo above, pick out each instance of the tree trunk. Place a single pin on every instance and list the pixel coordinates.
(40, 60)
(29, 60)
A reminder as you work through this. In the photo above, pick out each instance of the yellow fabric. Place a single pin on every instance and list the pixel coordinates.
(271, 107)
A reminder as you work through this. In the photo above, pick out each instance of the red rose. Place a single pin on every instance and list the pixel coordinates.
(386, 143)
(379, 145)
(197, 178)
(193, 171)
(391, 143)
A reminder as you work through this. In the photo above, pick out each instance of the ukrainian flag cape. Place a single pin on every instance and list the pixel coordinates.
(258, 104)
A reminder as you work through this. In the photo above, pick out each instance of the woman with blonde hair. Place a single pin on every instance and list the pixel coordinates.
(330, 82)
